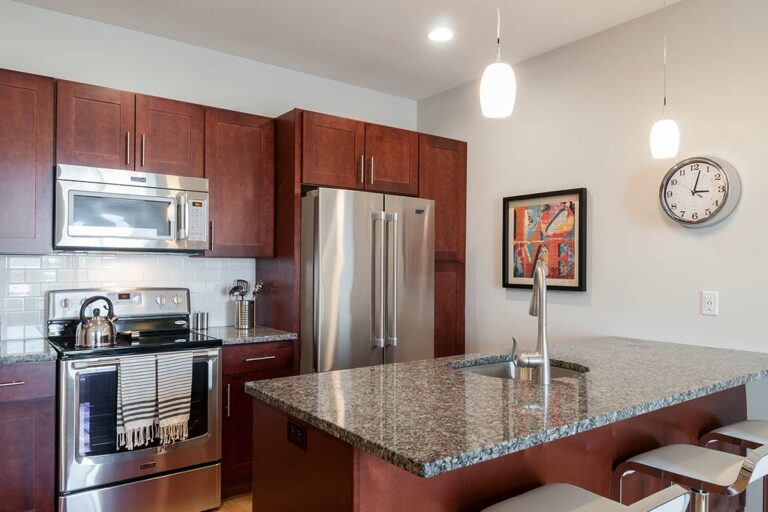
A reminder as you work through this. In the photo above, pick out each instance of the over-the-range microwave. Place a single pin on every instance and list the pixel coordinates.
(116, 210)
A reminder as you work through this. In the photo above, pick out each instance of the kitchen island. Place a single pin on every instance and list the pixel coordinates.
(425, 435)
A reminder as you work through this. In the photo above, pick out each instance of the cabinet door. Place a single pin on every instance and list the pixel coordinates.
(27, 433)
(239, 164)
(393, 160)
(443, 177)
(26, 163)
(237, 427)
(333, 151)
(169, 136)
(449, 309)
(94, 126)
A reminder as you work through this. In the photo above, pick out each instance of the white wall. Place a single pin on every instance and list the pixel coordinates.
(50, 43)
(582, 119)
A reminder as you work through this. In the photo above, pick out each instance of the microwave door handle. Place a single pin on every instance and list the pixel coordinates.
(183, 217)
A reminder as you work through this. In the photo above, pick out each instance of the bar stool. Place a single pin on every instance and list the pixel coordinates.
(699, 470)
(748, 434)
(568, 498)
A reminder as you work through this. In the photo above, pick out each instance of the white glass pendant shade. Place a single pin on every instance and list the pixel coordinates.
(665, 139)
(498, 89)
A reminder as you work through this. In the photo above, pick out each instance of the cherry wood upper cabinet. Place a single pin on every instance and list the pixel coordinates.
(169, 136)
(333, 151)
(94, 126)
(393, 160)
(239, 164)
(443, 177)
(26, 163)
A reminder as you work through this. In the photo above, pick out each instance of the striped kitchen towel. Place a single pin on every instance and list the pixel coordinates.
(136, 401)
(174, 391)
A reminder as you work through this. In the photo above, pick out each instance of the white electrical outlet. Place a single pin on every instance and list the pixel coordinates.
(710, 303)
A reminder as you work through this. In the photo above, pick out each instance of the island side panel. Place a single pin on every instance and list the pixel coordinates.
(585, 459)
(288, 478)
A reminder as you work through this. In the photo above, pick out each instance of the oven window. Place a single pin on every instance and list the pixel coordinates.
(134, 217)
(98, 410)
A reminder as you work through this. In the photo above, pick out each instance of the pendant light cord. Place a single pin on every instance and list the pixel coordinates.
(498, 31)
(664, 23)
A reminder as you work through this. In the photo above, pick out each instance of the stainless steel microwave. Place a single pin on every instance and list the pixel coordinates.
(109, 209)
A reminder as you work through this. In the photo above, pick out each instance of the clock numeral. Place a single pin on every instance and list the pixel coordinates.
(673, 182)
(674, 206)
(707, 212)
(695, 216)
(681, 172)
(717, 202)
(669, 193)
(721, 188)
(682, 213)
(694, 167)
(718, 177)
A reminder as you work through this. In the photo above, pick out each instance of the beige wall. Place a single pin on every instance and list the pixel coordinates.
(583, 117)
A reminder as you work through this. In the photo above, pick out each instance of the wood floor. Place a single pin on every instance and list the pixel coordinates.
(237, 504)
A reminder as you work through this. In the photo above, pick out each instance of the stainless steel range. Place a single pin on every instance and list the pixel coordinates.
(94, 474)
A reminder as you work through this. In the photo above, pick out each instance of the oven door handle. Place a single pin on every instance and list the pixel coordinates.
(96, 363)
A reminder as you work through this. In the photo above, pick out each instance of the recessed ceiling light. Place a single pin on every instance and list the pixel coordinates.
(441, 34)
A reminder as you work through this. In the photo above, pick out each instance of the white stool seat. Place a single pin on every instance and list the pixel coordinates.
(693, 462)
(569, 498)
(754, 431)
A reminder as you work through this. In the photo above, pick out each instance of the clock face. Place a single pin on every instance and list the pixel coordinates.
(698, 191)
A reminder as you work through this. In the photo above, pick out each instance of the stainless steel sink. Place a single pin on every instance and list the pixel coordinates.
(508, 370)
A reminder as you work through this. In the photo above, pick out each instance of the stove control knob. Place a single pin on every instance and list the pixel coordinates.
(178, 299)
(160, 299)
(66, 303)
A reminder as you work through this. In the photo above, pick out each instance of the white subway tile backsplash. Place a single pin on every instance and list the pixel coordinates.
(25, 281)
(24, 262)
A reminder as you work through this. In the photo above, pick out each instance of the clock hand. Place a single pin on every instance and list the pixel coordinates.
(696, 185)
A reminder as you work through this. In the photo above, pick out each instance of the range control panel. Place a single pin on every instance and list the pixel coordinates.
(131, 302)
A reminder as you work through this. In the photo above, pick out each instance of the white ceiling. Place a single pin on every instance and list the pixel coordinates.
(379, 44)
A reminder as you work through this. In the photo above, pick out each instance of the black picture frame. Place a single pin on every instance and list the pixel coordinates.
(580, 195)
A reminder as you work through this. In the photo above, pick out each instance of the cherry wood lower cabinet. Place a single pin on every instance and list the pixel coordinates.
(27, 437)
(240, 167)
(26, 163)
(330, 474)
(245, 363)
(449, 308)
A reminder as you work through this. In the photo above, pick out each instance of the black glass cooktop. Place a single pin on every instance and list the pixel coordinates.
(125, 345)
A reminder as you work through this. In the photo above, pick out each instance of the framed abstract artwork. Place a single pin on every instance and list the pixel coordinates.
(554, 222)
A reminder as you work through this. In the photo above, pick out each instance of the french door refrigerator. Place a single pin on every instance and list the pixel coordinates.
(367, 278)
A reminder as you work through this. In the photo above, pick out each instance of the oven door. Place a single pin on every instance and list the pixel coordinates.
(109, 216)
(88, 453)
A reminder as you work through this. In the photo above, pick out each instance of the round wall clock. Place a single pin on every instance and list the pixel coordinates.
(700, 191)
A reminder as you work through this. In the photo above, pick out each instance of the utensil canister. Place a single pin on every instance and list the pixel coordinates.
(244, 314)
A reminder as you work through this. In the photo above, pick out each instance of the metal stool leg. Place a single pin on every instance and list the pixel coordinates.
(700, 501)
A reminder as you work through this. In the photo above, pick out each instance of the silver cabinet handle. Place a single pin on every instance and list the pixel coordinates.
(143, 148)
(212, 231)
(229, 395)
(371, 170)
(127, 148)
(362, 168)
(392, 338)
(265, 358)
(14, 383)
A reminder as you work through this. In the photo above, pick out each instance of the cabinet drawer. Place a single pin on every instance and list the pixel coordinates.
(257, 357)
(27, 381)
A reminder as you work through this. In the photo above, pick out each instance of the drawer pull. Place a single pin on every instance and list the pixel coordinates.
(14, 383)
(265, 358)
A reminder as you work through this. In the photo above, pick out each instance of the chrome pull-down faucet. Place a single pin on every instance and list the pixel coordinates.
(540, 358)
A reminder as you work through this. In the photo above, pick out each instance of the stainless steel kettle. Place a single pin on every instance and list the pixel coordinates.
(97, 331)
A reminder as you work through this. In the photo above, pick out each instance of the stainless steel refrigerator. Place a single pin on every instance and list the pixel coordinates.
(367, 278)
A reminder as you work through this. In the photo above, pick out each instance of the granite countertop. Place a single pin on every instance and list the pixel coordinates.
(231, 336)
(26, 351)
(428, 418)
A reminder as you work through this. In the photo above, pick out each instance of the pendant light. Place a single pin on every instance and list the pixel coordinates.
(665, 134)
(498, 87)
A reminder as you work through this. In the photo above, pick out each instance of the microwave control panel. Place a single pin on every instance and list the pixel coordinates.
(198, 220)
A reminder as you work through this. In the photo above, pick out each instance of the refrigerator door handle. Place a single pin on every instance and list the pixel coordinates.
(392, 330)
(379, 252)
